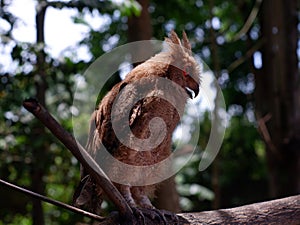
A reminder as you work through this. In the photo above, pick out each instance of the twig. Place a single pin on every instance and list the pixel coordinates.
(81, 155)
(249, 21)
(248, 54)
(262, 128)
(52, 201)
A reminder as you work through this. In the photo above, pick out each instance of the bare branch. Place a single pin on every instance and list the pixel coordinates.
(249, 21)
(263, 130)
(80, 153)
(51, 201)
(248, 54)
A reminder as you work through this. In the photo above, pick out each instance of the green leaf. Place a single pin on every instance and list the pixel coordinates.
(130, 8)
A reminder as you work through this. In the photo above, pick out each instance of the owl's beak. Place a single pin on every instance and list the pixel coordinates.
(192, 88)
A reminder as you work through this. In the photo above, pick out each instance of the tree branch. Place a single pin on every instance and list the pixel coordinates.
(248, 54)
(263, 130)
(51, 201)
(249, 21)
(280, 211)
(81, 155)
(275, 212)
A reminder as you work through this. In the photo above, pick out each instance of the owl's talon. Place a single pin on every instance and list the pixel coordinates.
(164, 213)
(172, 215)
(139, 215)
(154, 214)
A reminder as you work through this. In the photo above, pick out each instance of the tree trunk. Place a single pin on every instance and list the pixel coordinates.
(38, 166)
(278, 95)
(215, 180)
(140, 28)
(167, 196)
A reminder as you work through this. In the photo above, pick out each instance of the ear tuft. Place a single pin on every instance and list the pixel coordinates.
(186, 43)
(174, 38)
(177, 46)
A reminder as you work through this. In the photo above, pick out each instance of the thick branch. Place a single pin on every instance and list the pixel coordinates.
(280, 211)
(275, 212)
(80, 153)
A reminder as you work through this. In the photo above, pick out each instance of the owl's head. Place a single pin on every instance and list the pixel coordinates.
(183, 68)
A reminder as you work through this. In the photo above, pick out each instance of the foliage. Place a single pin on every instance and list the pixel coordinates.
(242, 161)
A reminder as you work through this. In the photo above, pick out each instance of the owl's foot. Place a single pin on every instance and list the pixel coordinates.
(139, 215)
(154, 214)
(165, 213)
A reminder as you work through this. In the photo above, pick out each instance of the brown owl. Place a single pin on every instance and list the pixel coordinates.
(135, 121)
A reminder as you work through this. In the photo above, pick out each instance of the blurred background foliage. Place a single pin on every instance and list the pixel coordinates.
(230, 36)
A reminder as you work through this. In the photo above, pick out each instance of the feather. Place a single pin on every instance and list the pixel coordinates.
(186, 43)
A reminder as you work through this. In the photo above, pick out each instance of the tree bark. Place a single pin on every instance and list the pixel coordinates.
(275, 212)
(278, 96)
(281, 211)
(139, 27)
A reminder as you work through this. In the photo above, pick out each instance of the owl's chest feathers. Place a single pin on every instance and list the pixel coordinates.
(140, 120)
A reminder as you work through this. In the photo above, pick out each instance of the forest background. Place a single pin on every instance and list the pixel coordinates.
(253, 49)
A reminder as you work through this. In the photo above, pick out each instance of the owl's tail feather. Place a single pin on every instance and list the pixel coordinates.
(87, 195)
